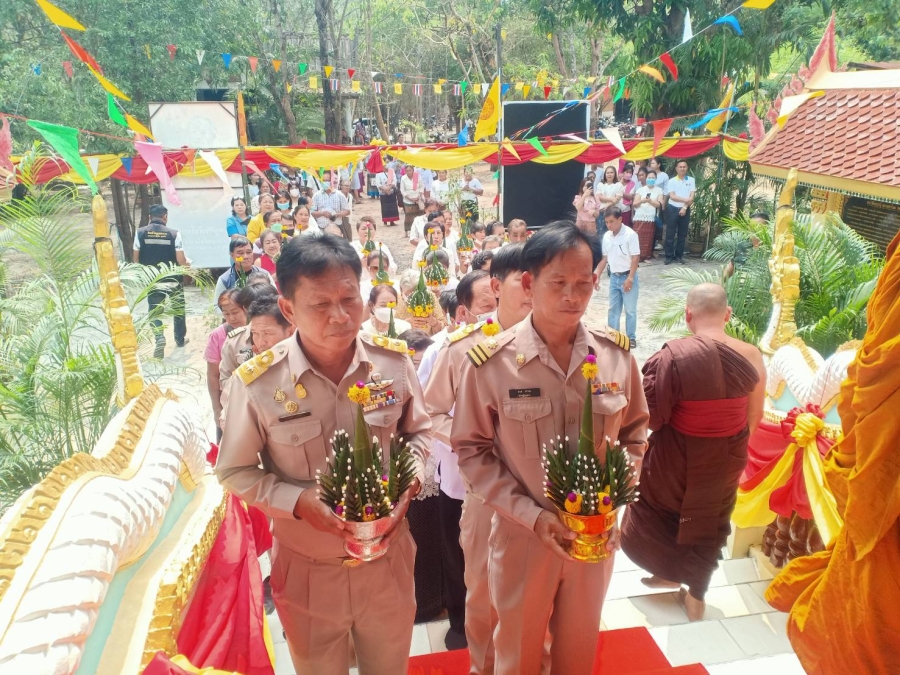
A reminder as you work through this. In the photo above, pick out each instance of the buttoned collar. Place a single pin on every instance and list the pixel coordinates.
(529, 345)
(299, 363)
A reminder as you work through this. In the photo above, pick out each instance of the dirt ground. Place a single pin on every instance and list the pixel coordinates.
(190, 381)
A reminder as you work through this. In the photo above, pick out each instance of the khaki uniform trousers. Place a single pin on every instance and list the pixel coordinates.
(481, 618)
(322, 604)
(533, 589)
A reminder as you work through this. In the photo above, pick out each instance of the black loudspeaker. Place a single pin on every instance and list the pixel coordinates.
(542, 193)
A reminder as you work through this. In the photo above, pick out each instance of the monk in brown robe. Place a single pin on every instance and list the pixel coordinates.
(705, 395)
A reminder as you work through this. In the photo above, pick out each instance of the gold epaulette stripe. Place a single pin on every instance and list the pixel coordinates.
(236, 331)
(255, 367)
(464, 331)
(619, 339)
(390, 343)
(478, 355)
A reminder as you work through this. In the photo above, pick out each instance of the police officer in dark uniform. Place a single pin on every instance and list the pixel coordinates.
(155, 244)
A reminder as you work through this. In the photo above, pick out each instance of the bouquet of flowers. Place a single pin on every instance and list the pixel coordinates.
(356, 486)
(369, 246)
(421, 300)
(586, 492)
(435, 274)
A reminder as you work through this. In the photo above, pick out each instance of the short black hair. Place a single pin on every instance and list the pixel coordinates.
(612, 212)
(158, 211)
(376, 291)
(553, 239)
(434, 215)
(442, 257)
(267, 307)
(268, 215)
(642, 169)
(258, 276)
(311, 257)
(480, 260)
(659, 161)
(477, 227)
(465, 290)
(679, 161)
(252, 292)
(507, 259)
(493, 226)
(449, 302)
(237, 199)
(415, 339)
(237, 242)
(228, 294)
(432, 225)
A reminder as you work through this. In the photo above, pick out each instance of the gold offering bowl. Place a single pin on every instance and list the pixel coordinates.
(592, 531)
(368, 536)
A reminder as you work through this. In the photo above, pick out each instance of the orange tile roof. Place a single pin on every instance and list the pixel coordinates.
(851, 133)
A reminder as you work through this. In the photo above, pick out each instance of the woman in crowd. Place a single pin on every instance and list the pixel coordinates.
(386, 185)
(379, 299)
(265, 188)
(431, 325)
(436, 232)
(496, 229)
(607, 192)
(346, 220)
(586, 208)
(629, 185)
(236, 225)
(370, 270)
(283, 202)
(366, 228)
(478, 232)
(647, 199)
(270, 243)
(253, 185)
(257, 224)
(411, 191)
(301, 220)
(234, 317)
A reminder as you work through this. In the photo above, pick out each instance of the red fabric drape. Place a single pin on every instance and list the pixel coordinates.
(224, 624)
(766, 447)
(717, 418)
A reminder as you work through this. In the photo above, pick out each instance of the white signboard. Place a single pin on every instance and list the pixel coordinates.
(204, 205)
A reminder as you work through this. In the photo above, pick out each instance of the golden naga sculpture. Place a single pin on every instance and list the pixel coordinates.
(785, 269)
(115, 308)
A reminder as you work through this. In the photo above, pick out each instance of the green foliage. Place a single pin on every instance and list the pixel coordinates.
(838, 272)
(57, 365)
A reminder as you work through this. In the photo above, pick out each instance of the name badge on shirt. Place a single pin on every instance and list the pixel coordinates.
(525, 393)
(598, 388)
(296, 416)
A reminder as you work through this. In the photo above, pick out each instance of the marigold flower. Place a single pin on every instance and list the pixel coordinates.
(490, 327)
(589, 368)
(573, 502)
(359, 393)
(605, 502)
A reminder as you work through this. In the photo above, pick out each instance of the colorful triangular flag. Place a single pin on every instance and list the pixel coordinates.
(536, 144)
(547, 90)
(137, 127)
(526, 89)
(81, 53)
(437, 88)
(652, 72)
(313, 82)
(65, 141)
(109, 86)
(613, 136)
(669, 63)
(729, 21)
(688, 29)
(301, 67)
(226, 59)
(276, 64)
(660, 127)
(758, 4)
(503, 89)
(126, 164)
(464, 85)
(398, 88)
(585, 92)
(489, 117)
(484, 88)
(351, 72)
(200, 54)
(147, 51)
(519, 85)
(328, 70)
(354, 85)
(67, 66)
(171, 49)
(463, 137)
(620, 91)
(113, 111)
(36, 69)
(59, 17)
(254, 62)
(508, 146)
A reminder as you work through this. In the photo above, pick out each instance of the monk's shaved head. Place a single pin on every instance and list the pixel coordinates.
(707, 301)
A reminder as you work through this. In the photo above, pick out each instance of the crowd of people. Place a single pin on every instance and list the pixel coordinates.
(477, 385)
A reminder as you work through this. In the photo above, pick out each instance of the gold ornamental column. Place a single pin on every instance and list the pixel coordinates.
(115, 308)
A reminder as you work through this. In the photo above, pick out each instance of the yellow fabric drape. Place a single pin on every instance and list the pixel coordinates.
(107, 166)
(752, 508)
(302, 157)
(445, 158)
(737, 151)
(200, 169)
(644, 149)
(557, 154)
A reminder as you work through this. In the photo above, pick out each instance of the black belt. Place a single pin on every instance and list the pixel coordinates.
(619, 274)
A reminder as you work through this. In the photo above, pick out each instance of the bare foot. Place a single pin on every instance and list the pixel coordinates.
(659, 582)
(695, 609)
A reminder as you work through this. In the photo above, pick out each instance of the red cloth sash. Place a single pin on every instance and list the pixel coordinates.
(716, 418)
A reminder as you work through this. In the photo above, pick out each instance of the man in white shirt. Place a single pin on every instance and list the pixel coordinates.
(680, 196)
(622, 252)
(329, 205)
(470, 191)
(411, 190)
(440, 189)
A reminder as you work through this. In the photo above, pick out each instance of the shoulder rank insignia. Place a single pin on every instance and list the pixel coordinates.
(482, 351)
(236, 331)
(255, 367)
(620, 339)
(392, 344)
(460, 333)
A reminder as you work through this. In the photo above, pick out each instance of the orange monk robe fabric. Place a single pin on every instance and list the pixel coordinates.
(843, 601)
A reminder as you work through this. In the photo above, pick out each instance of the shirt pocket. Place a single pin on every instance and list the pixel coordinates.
(528, 412)
(383, 424)
(607, 410)
(297, 448)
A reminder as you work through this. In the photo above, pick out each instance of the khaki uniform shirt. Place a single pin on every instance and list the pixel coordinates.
(518, 399)
(282, 413)
(237, 349)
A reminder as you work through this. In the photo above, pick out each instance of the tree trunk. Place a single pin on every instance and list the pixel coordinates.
(379, 119)
(329, 102)
(124, 226)
(560, 61)
(144, 196)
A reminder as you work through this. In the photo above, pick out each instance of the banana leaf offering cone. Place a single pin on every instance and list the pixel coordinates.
(421, 300)
(586, 492)
(435, 274)
(358, 486)
(381, 277)
(369, 246)
(392, 329)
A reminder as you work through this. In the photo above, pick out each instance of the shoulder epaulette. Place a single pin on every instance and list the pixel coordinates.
(236, 331)
(252, 369)
(485, 349)
(391, 344)
(619, 339)
(460, 333)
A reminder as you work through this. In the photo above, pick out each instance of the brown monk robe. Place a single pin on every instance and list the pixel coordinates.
(705, 399)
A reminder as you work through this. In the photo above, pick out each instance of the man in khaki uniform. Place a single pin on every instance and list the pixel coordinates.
(238, 346)
(518, 391)
(284, 407)
(440, 398)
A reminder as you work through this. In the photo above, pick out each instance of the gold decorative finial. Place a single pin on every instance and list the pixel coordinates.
(785, 269)
(115, 308)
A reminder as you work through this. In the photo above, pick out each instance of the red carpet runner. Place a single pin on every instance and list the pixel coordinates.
(631, 651)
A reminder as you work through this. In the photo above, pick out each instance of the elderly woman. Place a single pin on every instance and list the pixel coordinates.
(265, 188)
(257, 223)
(431, 325)
(381, 298)
(436, 232)
(647, 199)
